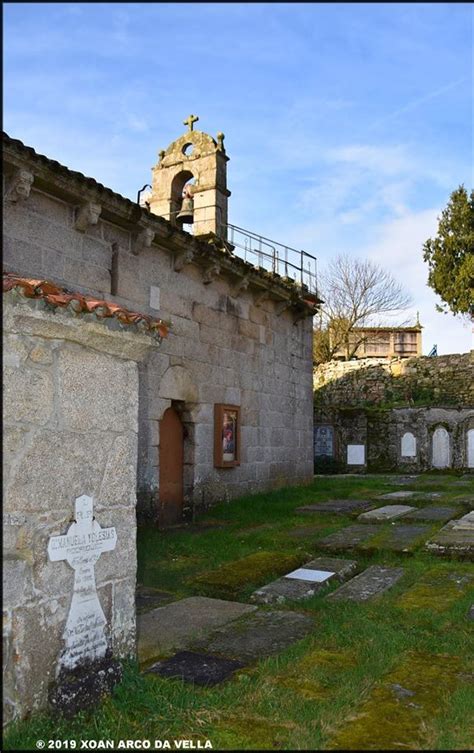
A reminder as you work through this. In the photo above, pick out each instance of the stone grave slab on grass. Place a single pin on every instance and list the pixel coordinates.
(437, 590)
(456, 538)
(176, 625)
(400, 712)
(228, 580)
(405, 494)
(372, 582)
(402, 480)
(348, 538)
(397, 538)
(257, 635)
(313, 577)
(388, 512)
(337, 506)
(201, 669)
(432, 513)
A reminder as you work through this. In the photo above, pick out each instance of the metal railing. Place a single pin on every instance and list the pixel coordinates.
(297, 265)
(275, 257)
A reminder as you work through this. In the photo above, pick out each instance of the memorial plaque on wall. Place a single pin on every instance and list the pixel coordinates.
(324, 441)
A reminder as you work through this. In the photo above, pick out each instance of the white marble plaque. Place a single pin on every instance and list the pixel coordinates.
(81, 547)
(470, 448)
(355, 454)
(408, 445)
(440, 448)
(315, 576)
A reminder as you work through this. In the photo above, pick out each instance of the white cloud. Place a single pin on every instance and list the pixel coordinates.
(398, 247)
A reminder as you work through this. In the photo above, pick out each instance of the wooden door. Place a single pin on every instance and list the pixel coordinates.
(171, 468)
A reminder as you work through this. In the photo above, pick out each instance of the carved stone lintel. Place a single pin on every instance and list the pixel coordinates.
(262, 297)
(183, 258)
(20, 185)
(86, 215)
(240, 286)
(211, 272)
(281, 307)
(143, 239)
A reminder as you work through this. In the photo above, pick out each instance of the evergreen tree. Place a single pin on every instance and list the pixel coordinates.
(450, 255)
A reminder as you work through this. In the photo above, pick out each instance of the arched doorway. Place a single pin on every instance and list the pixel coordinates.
(171, 457)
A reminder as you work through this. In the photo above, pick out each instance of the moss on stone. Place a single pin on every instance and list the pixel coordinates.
(400, 711)
(227, 580)
(436, 590)
(251, 733)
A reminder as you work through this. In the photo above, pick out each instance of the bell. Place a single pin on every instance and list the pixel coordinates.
(186, 213)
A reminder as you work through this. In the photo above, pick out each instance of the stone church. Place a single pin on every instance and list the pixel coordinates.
(156, 358)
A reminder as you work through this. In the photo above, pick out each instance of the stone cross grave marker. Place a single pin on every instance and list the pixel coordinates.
(81, 547)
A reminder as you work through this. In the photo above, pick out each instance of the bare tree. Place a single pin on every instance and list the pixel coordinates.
(356, 294)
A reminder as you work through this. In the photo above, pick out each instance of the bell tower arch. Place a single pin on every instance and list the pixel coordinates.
(190, 179)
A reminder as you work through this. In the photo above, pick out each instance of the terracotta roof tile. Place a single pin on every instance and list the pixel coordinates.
(83, 304)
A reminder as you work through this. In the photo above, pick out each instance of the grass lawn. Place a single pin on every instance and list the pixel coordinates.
(343, 686)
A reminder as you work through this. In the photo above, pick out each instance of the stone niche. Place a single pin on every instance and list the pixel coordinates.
(70, 433)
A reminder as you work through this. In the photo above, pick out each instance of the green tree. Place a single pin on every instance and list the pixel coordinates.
(450, 255)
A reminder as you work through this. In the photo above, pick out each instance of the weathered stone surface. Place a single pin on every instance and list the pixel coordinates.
(436, 590)
(178, 624)
(200, 669)
(28, 395)
(84, 688)
(293, 588)
(453, 539)
(465, 523)
(371, 583)
(86, 400)
(388, 512)
(230, 578)
(402, 480)
(408, 494)
(432, 513)
(401, 710)
(337, 506)
(258, 635)
(398, 538)
(349, 537)
(470, 614)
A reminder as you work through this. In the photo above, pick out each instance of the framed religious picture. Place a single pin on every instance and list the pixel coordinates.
(226, 435)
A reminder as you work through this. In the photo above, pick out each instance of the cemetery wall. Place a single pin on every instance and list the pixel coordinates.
(388, 407)
(238, 334)
(424, 380)
(70, 429)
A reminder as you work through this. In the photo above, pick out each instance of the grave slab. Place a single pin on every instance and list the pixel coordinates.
(176, 625)
(432, 513)
(402, 480)
(455, 538)
(258, 635)
(297, 585)
(349, 537)
(398, 538)
(405, 494)
(465, 523)
(436, 590)
(338, 506)
(371, 583)
(400, 712)
(388, 512)
(200, 669)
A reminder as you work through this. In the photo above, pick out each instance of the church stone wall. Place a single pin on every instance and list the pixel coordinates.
(70, 428)
(224, 346)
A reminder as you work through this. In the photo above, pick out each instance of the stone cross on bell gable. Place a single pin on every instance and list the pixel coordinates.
(81, 547)
(190, 120)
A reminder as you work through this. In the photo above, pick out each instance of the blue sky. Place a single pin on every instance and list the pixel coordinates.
(347, 125)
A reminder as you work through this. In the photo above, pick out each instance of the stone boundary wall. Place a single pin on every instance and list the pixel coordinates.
(423, 380)
(70, 428)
